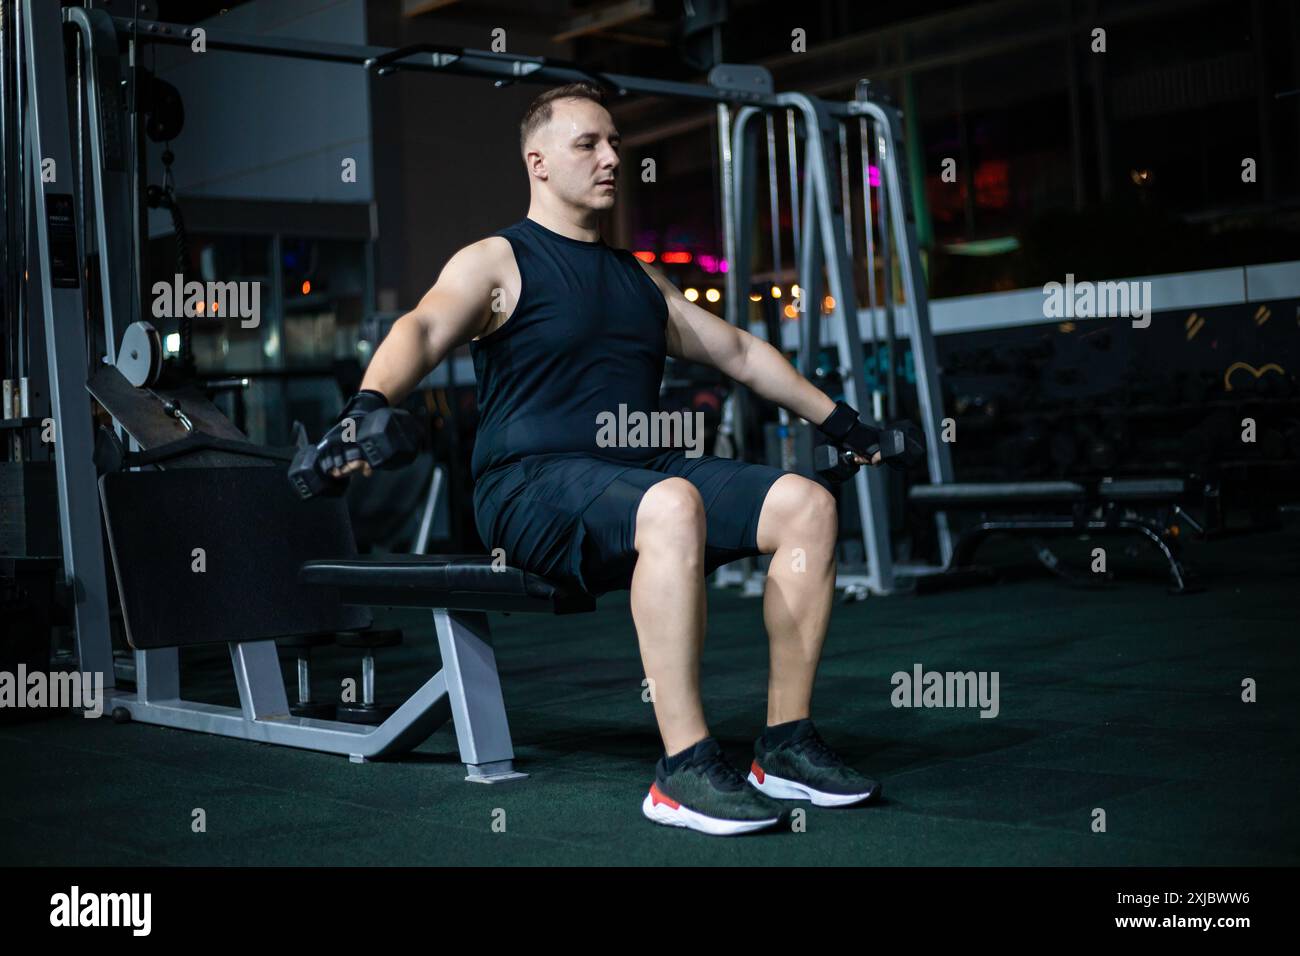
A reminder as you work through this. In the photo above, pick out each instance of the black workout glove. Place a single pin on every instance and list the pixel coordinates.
(846, 429)
(335, 450)
(900, 444)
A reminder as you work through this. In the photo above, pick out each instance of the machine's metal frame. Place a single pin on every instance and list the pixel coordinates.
(60, 300)
(825, 244)
(466, 691)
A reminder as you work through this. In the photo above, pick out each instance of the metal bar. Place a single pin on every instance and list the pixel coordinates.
(792, 142)
(15, 208)
(412, 723)
(846, 194)
(810, 273)
(738, 212)
(158, 675)
(730, 241)
(470, 62)
(110, 181)
(59, 277)
(744, 210)
(774, 197)
(868, 230)
(774, 328)
(138, 176)
(928, 390)
(829, 234)
(888, 195)
(733, 154)
(473, 688)
(259, 680)
(427, 515)
(273, 332)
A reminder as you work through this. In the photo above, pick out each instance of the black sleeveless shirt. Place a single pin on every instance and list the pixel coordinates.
(587, 335)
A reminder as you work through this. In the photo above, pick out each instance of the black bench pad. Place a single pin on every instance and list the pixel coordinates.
(465, 582)
(1011, 495)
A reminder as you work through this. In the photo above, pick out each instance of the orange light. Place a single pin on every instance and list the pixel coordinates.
(791, 312)
(1175, 531)
(828, 303)
(677, 258)
(755, 298)
(200, 307)
(645, 255)
(306, 286)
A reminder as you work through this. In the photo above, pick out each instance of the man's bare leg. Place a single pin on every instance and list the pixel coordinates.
(668, 606)
(798, 527)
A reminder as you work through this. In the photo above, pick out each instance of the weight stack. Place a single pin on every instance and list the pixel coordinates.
(29, 510)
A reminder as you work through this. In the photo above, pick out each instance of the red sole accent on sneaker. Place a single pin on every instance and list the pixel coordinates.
(757, 771)
(658, 796)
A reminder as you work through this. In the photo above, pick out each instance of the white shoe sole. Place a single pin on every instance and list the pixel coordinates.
(680, 816)
(781, 789)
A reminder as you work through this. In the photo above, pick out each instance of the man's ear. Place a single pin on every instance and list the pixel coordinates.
(535, 163)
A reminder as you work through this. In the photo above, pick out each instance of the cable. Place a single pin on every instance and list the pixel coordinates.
(81, 212)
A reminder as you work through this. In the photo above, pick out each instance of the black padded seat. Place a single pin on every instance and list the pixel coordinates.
(1005, 493)
(1142, 489)
(465, 582)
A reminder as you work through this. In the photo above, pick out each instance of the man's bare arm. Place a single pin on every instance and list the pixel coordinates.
(450, 314)
(697, 335)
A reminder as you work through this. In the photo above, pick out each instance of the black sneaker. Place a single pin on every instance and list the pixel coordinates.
(708, 794)
(804, 768)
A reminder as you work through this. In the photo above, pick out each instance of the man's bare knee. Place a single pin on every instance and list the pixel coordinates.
(671, 515)
(798, 513)
(821, 518)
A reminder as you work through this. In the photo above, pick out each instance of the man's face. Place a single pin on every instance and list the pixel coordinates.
(575, 155)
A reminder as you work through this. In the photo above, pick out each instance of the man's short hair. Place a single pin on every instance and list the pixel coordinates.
(539, 113)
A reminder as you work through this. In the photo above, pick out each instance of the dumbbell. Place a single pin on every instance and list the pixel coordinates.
(834, 464)
(367, 710)
(899, 445)
(388, 438)
(308, 480)
(300, 647)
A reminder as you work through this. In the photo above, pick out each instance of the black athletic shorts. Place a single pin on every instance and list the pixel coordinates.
(572, 517)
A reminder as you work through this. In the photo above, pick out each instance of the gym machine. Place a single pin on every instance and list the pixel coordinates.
(821, 217)
(205, 493)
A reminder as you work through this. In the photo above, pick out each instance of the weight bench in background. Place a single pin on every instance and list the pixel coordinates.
(277, 566)
(1143, 506)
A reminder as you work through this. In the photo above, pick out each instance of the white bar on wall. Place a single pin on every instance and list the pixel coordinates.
(1277, 280)
(1001, 310)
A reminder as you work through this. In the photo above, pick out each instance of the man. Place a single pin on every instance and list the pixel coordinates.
(566, 332)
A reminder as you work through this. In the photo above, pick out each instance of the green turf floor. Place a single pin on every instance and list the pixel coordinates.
(1124, 699)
